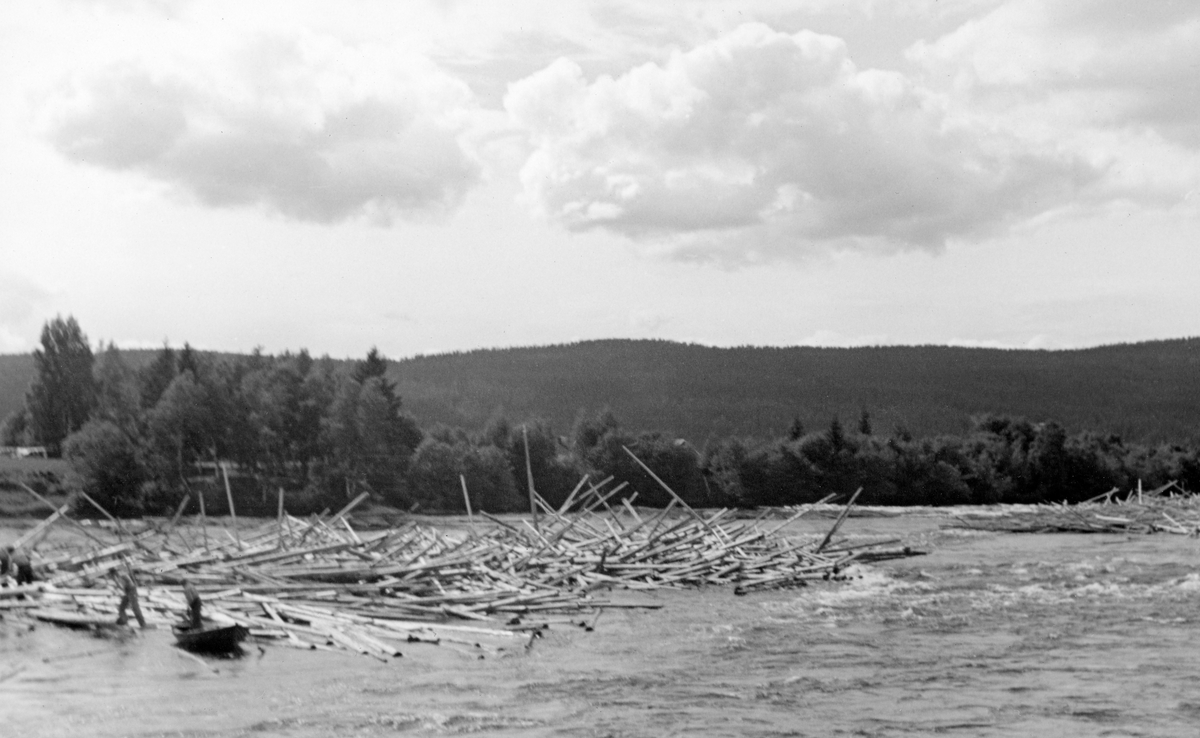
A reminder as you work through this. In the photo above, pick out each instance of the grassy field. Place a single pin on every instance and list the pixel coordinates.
(33, 466)
(49, 477)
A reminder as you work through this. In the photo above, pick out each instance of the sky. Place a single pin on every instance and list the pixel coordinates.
(438, 176)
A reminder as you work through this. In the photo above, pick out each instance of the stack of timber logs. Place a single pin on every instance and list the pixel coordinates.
(319, 583)
(1166, 509)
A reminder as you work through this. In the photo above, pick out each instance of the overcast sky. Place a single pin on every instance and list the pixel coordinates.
(455, 175)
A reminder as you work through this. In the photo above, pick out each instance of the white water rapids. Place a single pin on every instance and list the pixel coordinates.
(992, 634)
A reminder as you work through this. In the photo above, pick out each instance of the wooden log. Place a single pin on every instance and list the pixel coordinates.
(64, 516)
(117, 523)
(203, 520)
(279, 517)
(665, 486)
(229, 496)
(30, 536)
(349, 506)
(529, 476)
(178, 514)
(841, 518)
(803, 510)
(24, 589)
(571, 497)
(467, 501)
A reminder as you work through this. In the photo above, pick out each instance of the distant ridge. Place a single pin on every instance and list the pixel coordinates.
(1146, 392)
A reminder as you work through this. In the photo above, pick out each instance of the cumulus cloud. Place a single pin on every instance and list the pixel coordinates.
(307, 126)
(1112, 80)
(20, 301)
(762, 143)
(1142, 58)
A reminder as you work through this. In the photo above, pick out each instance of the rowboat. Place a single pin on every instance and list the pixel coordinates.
(210, 638)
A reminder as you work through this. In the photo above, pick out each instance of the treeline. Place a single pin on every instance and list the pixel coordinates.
(188, 422)
(1001, 460)
(1146, 392)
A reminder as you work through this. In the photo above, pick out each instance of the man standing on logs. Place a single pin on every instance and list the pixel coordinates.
(129, 596)
(193, 604)
(22, 564)
(5, 561)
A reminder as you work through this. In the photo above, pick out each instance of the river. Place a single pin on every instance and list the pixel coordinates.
(990, 634)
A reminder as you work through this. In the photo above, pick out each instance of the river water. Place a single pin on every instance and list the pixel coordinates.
(990, 634)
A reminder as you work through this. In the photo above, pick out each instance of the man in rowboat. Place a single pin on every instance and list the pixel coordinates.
(193, 603)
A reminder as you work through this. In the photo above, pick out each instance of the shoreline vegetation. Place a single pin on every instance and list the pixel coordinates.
(216, 433)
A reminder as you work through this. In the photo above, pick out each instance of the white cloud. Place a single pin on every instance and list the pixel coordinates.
(303, 124)
(1038, 342)
(1113, 81)
(649, 322)
(11, 342)
(21, 302)
(759, 144)
(19, 297)
(834, 339)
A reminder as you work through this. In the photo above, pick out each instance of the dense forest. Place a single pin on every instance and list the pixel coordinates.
(1146, 392)
(746, 427)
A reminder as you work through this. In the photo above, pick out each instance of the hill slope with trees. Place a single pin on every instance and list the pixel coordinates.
(177, 426)
(1146, 392)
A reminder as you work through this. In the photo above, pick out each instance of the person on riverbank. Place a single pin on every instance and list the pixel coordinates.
(20, 561)
(193, 603)
(129, 597)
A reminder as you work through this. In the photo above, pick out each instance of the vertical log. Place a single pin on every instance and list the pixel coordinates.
(232, 512)
(203, 520)
(529, 475)
(838, 524)
(279, 517)
(467, 502)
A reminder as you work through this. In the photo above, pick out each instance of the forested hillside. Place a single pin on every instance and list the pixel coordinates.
(906, 425)
(1148, 392)
(17, 371)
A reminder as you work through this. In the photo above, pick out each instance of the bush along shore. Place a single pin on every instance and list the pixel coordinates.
(218, 430)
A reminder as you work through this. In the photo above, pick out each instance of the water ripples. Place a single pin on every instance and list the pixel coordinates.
(991, 635)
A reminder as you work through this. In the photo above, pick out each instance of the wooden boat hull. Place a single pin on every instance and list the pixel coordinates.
(210, 639)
